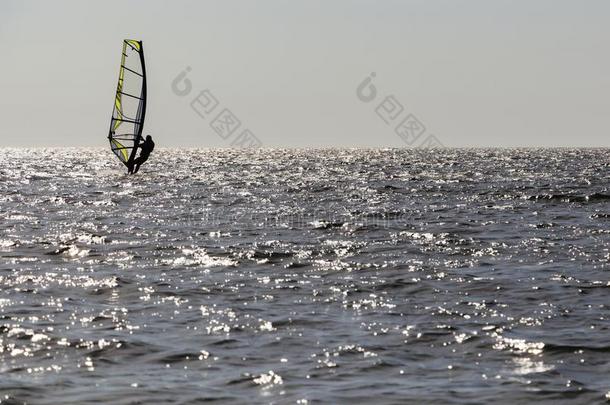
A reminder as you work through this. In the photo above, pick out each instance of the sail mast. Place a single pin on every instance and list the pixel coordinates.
(141, 108)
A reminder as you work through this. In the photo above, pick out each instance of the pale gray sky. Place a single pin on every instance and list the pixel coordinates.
(476, 73)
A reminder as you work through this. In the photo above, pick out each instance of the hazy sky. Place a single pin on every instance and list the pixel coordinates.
(475, 73)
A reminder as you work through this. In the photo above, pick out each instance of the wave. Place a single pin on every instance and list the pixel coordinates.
(571, 198)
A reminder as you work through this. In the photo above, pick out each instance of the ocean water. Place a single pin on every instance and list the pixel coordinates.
(305, 276)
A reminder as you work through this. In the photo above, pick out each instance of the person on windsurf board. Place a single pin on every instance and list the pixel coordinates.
(129, 109)
(146, 149)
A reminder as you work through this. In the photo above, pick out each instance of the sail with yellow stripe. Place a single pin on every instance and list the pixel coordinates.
(129, 103)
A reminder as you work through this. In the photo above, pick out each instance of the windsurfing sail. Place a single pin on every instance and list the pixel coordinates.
(129, 103)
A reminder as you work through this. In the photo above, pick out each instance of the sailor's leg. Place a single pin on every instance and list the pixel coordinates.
(139, 162)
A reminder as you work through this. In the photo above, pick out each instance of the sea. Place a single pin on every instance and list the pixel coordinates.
(304, 276)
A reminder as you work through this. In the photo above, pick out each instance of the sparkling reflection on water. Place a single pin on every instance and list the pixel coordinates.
(303, 276)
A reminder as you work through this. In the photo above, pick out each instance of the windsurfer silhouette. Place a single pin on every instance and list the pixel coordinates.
(146, 148)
